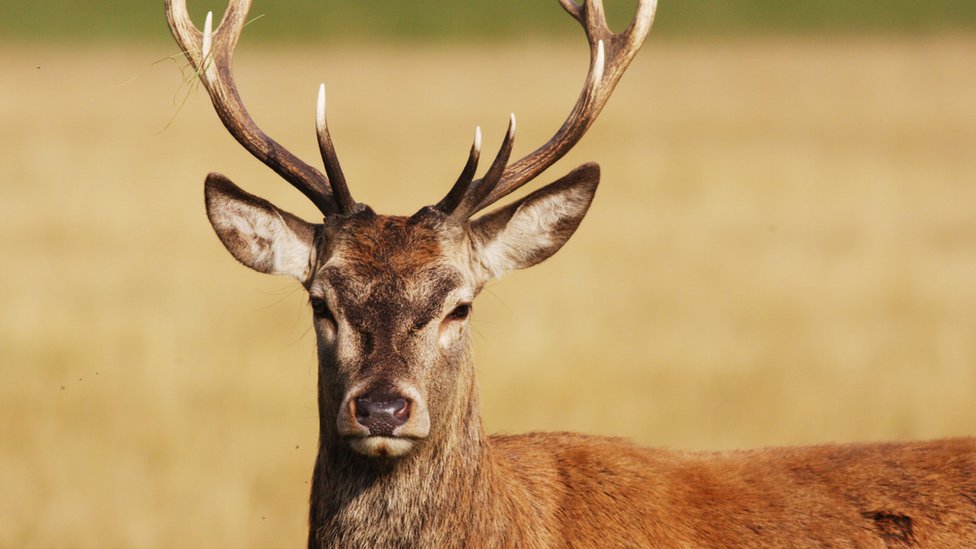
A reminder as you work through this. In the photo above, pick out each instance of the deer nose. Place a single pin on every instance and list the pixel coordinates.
(381, 414)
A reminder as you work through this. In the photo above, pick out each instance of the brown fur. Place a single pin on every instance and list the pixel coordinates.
(391, 283)
(607, 493)
(385, 293)
(374, 244)
(460, 488)
(569, 490)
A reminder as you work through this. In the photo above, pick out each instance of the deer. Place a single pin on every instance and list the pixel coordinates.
(403, 459)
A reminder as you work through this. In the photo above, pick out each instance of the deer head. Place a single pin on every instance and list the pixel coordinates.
(391, 296)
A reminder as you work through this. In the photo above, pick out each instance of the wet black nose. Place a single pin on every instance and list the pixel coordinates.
(381, 414)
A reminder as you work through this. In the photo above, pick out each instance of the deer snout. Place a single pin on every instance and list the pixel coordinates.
(382, 413)
(383, 420)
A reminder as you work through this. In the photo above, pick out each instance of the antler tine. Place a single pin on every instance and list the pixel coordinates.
(340, 191)
(210, 53)
(573, 9)
(478, 190)
(450, 202)
(610, 55)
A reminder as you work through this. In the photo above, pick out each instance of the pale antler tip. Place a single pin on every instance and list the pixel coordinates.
(477, 138)
(207, 36)
(643, 21)
(320, 108)
(652, 5)
(511, 123)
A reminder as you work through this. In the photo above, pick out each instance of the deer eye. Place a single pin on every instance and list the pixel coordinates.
(321, 309)
(460, 312)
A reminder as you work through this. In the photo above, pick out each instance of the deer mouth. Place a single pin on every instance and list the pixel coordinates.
(382, 446)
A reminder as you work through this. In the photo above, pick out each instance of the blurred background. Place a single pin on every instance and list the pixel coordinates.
(782, 251)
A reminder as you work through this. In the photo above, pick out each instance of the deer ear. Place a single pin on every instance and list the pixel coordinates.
(257, 233)
(530, 230)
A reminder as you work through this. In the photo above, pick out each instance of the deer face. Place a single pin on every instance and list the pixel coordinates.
(391, 298)
(391, 295)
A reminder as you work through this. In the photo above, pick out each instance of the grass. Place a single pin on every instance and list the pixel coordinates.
(344, 20)
(782, 252)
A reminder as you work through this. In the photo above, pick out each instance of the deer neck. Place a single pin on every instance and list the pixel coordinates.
(423, 499)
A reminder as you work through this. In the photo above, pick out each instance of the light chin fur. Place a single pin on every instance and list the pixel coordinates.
(384, 447)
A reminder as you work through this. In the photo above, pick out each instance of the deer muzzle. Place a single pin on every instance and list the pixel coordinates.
(383, 422)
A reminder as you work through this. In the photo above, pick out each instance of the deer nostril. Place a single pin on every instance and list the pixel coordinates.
(381, 414)
(401, 410)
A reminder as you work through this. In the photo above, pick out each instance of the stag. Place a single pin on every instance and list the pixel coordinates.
(403, 459)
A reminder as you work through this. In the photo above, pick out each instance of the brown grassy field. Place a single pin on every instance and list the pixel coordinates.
(783, 251)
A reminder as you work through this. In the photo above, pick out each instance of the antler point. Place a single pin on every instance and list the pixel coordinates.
(320, 108)
(207, 37)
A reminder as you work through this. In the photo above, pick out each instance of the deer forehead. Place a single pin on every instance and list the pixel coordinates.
(369, 244)
(393, 264)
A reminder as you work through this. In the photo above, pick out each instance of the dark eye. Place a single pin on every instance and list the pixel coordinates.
(460, 312)
(321, 309)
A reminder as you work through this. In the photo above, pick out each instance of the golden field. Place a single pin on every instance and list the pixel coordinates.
(783, 251)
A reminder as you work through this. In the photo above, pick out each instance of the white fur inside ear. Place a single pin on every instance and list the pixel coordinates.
(536, 231)
(262, 240)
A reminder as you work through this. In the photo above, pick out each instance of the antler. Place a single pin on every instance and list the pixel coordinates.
(610, 54)
(466, 194)
(211, 55)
